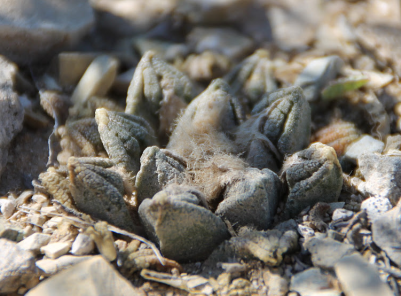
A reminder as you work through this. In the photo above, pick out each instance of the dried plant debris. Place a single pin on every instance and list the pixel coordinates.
(204, 156)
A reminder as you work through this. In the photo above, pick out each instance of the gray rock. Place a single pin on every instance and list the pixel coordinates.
(17, 268)
(386, 232)
(183, 229)
(42, 27)
(309, 281)
(376, 206)
(34, 242)
(312, 175)
(382, 174)
(251, 199)
(91, 277)
(127, 17)
(82, 245)
(365, 144)
(49, 267)
(342, 214)
(226, 41)
(359, 278)
(158, 169)
(317, 74)
(326, 251)
(11, 110)
(9, 231)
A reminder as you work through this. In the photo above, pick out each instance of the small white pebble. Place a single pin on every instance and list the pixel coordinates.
(37, 219)
(305, 231)
(376, 206)
(55, 250)
(24, 196)
(342, 214)
(82, 245)
(7, 207)
(34, 242)
(40, 198)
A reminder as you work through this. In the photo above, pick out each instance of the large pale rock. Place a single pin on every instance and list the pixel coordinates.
(92, 277)
(359, 278)
(34, 242)
(386, 233)
(327, 251)
(49, 267)
(30, 30)
(11, 110)
(382, 174)
(17, 268)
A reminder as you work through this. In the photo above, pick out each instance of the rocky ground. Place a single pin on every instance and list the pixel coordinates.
(241, 147)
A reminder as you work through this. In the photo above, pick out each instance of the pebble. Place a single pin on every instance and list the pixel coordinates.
(226, 41)
(127, 17)
(312, 280)
(55, 250)
(7, 207)
(305, 231)
(365, 144)
(317, 74)
(386, 234)
(359, 278)
(40, 198)
(376, 206)
(92, 277)
(34, 242)
(326, 251)
(382, 174)
(42, 27)
(17, 268)
(10, 232)
(336, 205)
(48, 267)
(11, 110)
(97, 79)
(37, 219)
(82, 245)
(342, 214)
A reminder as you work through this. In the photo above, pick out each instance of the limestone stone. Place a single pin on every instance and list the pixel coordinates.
(52, 266)
(366, 144)
(17, 268)
(327, 251)
(7, 207)
(376, 206)
(34, 242)
(33, 29)
(90, 277)
(82, 245)
(11, 110)
(359, 278)
(55, 250)
(309, 281)
(386, 233)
